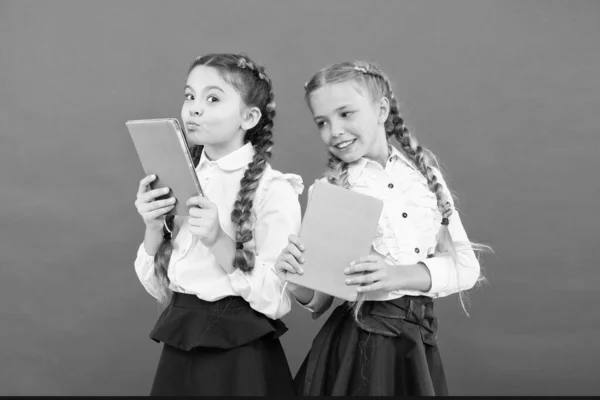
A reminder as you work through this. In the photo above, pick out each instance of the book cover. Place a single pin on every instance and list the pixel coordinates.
(338, 227)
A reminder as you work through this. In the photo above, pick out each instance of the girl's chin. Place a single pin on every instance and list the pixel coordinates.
(196, 138)
(349, 157)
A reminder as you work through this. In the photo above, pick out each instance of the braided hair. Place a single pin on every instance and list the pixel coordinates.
(256, 90)
(378, 85)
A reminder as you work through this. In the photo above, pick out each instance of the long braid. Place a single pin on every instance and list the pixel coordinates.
(378, 85)
(161, 262)
(256, 90)
(426, 162)
(196, 153)
(337, 172)
(165, 249)
(261, 139)
(422, 158)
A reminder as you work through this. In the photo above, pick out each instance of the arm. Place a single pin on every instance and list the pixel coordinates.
(277, 217)
(449, 275)
(438, 276)
(319, 303)
(290, 261)
(144, 269)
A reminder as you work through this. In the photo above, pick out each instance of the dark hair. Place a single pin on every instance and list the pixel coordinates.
(256, 90)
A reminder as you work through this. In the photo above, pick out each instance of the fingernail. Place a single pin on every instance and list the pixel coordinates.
(348, 281)
(302, 259)
(347, 270)
(301, 271)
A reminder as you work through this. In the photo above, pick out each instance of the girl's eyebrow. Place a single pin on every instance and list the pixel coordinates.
(207, 88)
(340, 108)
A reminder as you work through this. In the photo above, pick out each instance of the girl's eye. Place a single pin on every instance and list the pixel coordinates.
(346, 114)
(212, 99)
(321, 124)
(189, 96)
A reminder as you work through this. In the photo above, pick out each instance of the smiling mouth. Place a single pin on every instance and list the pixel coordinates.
(345, 144)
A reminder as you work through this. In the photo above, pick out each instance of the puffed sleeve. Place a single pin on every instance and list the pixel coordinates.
(278, 215)
(144, 268)
(449, 276)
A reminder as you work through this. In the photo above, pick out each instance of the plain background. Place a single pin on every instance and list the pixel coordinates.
(506, 93)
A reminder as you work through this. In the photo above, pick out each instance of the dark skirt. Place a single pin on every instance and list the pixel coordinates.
(219, 348)
(394, 353)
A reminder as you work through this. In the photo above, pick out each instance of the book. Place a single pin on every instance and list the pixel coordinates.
(163, 150)
(338, 227)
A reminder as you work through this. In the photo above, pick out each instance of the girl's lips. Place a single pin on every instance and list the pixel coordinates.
(345, 144)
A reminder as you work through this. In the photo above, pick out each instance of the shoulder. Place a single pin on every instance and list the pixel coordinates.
(310, 188)
(274, 183)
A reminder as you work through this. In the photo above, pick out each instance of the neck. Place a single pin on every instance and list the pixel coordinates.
(216, 151)
(380, 150)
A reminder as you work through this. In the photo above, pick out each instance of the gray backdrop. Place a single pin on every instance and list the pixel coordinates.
(506, 93)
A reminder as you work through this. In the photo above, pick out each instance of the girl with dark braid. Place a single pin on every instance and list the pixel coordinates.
(385, 342)
(213, 271)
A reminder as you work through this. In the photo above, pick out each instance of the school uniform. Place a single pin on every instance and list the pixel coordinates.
(395, 351)
(220, 332)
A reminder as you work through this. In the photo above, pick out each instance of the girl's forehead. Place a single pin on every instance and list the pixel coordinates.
(202, 76)
(346, 91)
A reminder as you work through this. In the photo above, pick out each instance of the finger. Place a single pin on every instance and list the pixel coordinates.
(152, 194)
(145, 183)
(284, 266)
(195, 222)
(366, 278)
(159, 212)
(369, 288)
(294, 251)
(362, 267)
(296, 240)
(159, 204)
(291, 260)
(153, 205)
(366, 259)
(200, 213)
(200, 201)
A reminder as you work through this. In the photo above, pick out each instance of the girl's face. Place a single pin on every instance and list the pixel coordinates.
(213, 112)
(350, 123)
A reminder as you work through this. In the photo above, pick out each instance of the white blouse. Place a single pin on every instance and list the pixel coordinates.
(193, 269)
(407, 229)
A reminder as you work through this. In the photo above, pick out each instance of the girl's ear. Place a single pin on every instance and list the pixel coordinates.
(384, 110)
(250, 118)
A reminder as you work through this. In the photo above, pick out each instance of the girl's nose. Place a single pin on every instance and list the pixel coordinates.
(196, 111)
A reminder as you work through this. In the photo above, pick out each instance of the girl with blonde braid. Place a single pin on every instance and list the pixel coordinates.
(385, 342)
(213, 271)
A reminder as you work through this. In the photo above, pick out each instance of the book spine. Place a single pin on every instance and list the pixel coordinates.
(186, 150)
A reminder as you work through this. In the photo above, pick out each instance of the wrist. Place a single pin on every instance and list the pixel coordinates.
(302, 294)
(218, 237)
(418, 277)
(411, 277)
(426, 275)
(154, 227)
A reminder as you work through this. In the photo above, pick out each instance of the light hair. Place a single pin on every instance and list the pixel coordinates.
(375, 81)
